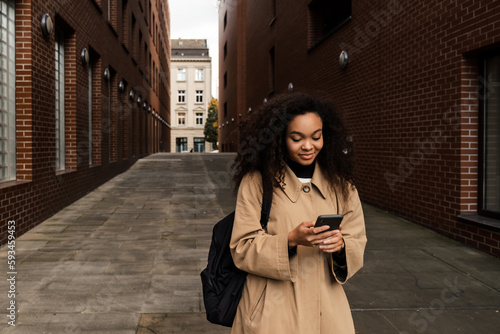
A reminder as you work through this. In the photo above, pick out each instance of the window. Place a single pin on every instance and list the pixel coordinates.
(199, 118)
(7, 92)
(225, 20)
(181, 118)
(132, 32)
(490, 140)
(181, 74)
(225, 79)
(181, 144)
(148, 68)
(153, 77)
(273, 10)
(181, 96)
(326, 16)
(157, 80)
(125, 23)
(139, 47)
(154, 29)
(225, 50)
(199, 145)
(199, 74)
(146, 63)
(59, 103)
(199, 96)
(150, 11)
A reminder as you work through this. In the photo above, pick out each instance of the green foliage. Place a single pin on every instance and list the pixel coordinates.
(211, 132)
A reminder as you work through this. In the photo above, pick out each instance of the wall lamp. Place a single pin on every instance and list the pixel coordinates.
(84, 55)
(139, 99)
(47, 24)
(290, 87)
(131, 94)
(121, 86)
(343, 59)
(107, 74)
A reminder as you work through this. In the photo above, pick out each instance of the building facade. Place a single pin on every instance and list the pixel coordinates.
(85, 93)
(191, 79)
(417, 83)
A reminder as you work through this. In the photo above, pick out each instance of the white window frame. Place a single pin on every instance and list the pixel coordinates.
(199, 74)
(181, 74)
(59, 101)
(7, 91)
(181, 96)
(199, 96)
(199, 118)
(181, 118)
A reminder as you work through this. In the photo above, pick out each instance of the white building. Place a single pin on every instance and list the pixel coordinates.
(191, 92)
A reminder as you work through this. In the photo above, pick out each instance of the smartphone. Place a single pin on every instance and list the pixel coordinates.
(331, 220)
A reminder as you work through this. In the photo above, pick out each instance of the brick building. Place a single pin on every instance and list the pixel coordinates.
(85, 93)
(419, 94)
(191, 84)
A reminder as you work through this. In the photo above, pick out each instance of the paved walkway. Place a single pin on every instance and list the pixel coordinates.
(126, 259)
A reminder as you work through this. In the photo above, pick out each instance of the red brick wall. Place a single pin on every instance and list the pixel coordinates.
(97, 97)
(24, 92)
(39, 190)
(232, 97)
(409, 96)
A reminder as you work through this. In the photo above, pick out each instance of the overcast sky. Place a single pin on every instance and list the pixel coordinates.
(197, 19)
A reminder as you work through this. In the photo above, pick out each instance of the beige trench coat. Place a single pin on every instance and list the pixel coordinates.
(300, 293)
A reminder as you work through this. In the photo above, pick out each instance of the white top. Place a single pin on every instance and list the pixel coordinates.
(305, 180)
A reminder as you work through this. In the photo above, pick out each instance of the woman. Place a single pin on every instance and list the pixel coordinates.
(297, 147)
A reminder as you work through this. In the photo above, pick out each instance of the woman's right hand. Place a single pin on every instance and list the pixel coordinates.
(307, 235)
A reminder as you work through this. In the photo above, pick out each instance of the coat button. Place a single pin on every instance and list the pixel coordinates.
(307, 189)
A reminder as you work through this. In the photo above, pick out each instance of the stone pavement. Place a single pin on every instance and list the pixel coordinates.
(126, 258)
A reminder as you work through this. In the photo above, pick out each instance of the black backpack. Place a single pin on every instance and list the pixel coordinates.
(222, 281)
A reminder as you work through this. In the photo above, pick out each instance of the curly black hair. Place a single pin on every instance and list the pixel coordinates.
(263, 145)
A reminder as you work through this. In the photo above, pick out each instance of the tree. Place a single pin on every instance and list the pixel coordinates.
(211, 132)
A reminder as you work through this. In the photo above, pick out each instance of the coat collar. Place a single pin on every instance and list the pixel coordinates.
(293, 187)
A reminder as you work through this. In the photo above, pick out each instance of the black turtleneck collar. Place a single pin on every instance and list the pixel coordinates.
(301, 171)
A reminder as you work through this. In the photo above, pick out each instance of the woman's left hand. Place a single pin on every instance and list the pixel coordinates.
(333, 244)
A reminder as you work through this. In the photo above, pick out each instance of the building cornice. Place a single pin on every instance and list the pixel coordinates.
(199, 60)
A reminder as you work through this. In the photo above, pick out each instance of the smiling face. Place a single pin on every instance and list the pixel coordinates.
(304, 138)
